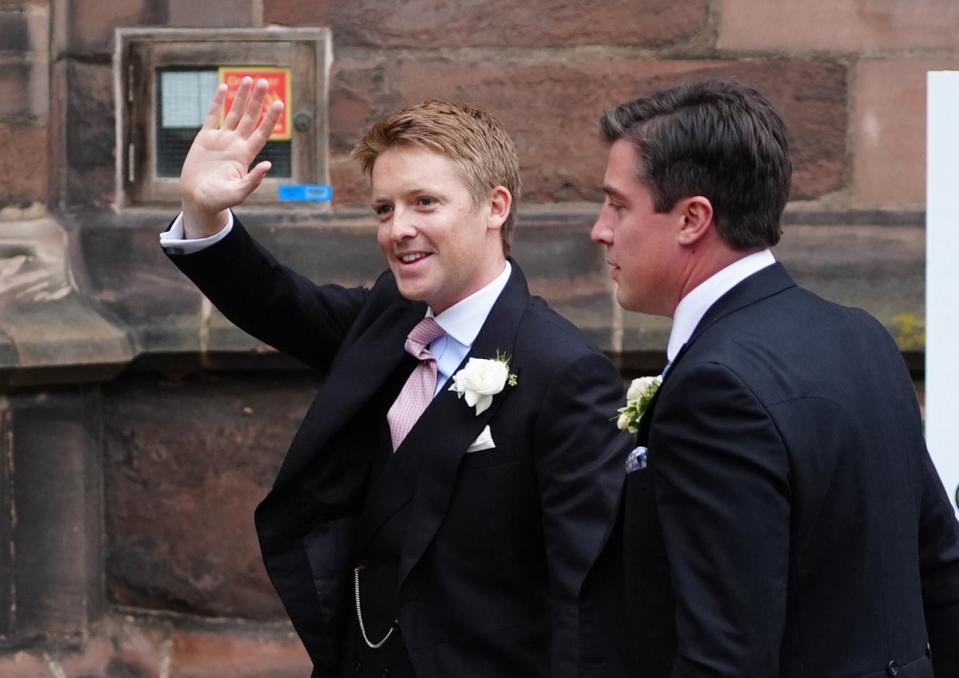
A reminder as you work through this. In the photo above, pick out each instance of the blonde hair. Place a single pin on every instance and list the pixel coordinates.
(473, 139)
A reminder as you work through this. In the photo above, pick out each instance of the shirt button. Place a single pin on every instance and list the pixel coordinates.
(358, 666)
(892, 668)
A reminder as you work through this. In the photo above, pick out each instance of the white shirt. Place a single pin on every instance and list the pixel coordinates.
(694, 305)
(461, 322)
(173, 239)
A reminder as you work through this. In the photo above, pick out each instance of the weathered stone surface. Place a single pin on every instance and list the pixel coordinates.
(90, 23)
(23, 164)
(24, 90)
(23, 665)
(49, 323)
(566, 268)
(186, 462)
(459, 23)
(90, 135)
(131, 647)
(56, 494)
(878, 268)
(552, 110)
(164, 313)
(889, 131)
(14, 36)
(842, 26)
(220, 14)
(207, 655)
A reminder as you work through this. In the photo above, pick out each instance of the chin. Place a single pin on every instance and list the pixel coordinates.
(411, 292)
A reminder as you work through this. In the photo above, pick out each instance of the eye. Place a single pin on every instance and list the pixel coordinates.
(383, 210)
(426, 201)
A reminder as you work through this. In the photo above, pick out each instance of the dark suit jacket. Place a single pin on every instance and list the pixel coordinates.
(499, 541)
(789, 521)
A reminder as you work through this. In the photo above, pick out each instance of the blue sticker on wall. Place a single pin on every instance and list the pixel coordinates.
(306, 192)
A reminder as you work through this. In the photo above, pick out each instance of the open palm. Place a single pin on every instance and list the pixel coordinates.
(216, 174)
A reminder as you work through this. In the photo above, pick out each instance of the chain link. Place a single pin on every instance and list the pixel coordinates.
(359, 613)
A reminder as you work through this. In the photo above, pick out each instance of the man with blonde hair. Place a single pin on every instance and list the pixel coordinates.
(455, 477)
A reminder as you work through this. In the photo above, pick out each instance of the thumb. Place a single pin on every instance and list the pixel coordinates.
(256, 175)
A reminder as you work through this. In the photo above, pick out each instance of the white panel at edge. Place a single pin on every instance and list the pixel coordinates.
(942, 276)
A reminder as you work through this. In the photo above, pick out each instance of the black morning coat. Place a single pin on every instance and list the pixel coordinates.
(789, 521)
(489, 574)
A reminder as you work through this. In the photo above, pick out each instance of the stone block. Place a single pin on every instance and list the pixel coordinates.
(552, 109)
(186, 463)
(90, 24)
(461, 23)
(24, 29)
(889, 131)
(876, 267)
(90, 134)
(24, 90)
(837, 26)
(14, 35)
(566, 268)
(221, 14)
(23, 665)
(57, 492)
(23, 164)
(208, 655)
(50, 324)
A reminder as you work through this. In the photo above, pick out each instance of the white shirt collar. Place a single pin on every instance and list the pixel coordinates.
(463, 320)
(694, 305)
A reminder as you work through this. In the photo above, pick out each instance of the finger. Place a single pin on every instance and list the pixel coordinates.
(256, 175)
(239, 103)
(212, 120)
(265, 128)
(253, 108)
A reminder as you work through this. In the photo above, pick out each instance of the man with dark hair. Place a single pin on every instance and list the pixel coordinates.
(454, 480)
(782, 516)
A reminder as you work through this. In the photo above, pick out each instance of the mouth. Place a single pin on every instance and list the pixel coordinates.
(412, 258)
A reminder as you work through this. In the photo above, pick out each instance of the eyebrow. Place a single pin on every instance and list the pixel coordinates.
(613, 193)
(416, 190)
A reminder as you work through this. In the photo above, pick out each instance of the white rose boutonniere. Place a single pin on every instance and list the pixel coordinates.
(638, 397)
(481, 379)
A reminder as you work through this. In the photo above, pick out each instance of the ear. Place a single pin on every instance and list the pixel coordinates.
(499, 200)
(696, 214)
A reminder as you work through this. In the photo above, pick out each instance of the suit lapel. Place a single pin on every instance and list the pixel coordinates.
(444, 432)
(360, 370)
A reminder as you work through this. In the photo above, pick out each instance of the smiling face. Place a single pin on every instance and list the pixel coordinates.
(642, 245)
(439, 243)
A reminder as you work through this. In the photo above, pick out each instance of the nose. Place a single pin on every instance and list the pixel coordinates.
(402, 225)
(601, 232)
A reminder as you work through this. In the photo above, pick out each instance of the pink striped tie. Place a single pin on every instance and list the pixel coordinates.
(418, 390)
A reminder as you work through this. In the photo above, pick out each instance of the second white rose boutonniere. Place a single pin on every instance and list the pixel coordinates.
(638, 397)
(481, 379)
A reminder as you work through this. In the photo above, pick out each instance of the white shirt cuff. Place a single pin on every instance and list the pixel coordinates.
(174, 242)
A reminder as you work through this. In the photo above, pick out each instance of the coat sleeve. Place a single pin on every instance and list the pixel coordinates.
(270, 301)
(722, 492)
(579, 463)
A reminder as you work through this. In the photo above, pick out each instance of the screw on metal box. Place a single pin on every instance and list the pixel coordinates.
(302, 122)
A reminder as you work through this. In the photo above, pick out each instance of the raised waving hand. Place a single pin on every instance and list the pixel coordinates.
(216, 174)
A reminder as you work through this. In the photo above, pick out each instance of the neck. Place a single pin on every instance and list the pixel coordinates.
(704, 264)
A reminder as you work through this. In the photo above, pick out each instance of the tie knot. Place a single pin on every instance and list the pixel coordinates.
(421, 336)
